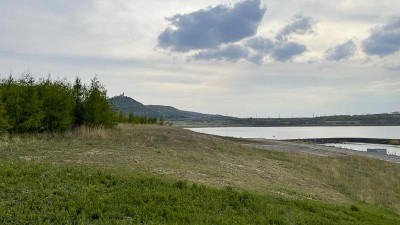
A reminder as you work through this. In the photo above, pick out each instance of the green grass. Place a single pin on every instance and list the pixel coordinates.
(33, 193)
(52, 171)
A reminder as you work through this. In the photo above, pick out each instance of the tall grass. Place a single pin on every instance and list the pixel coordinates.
(365, 179)
(84, 132)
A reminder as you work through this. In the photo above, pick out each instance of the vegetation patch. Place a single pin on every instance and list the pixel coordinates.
(93, 175)
(34, 193)
(29, 106)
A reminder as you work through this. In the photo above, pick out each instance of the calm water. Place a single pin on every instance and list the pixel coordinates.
(285, 133)
(391, 149)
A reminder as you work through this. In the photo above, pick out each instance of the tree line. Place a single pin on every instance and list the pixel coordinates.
(27, 105)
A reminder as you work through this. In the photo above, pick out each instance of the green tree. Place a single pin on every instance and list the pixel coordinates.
(79, 93)
(32, 113)
(131, 118)
(12, 102)
(57, 104)
(97, 109)
(4, 125)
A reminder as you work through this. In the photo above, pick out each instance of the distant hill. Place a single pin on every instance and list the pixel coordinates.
(128, 105)
(194, 119)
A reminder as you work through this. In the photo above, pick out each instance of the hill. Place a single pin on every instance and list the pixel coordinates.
(195, 119)
(129, 105)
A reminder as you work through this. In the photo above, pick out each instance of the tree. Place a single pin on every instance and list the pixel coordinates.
(30, 106)
(32, 113)
(131, 118)
(79, 93)
(57, 104)
(97, 109)
(11, 101)
(4, 125)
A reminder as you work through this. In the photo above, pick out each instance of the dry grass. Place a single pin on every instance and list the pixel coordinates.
(217, 162)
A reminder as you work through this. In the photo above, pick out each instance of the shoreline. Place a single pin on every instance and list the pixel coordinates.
(385, 141)
(314, 149)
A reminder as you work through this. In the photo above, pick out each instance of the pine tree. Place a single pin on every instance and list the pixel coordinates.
(11, 101)
(4, 125)
(30, 106)
(97, 109)
(131, 118)
(57, 104)
(79, 93)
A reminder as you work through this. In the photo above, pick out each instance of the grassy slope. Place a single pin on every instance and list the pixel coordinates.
(41, 193)
(283, 187)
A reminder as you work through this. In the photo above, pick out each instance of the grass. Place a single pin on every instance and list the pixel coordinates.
(344, 189)
(34, 193)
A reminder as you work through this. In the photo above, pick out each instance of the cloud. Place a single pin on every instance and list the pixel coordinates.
(286, 51)
(341, 51)
(211, 27)
(384, 40)
(254, 50)
(224, 33)
(260, 44)
(282, 51)
(231, 53)
(392, 67)
(257, 58)
(299, 24)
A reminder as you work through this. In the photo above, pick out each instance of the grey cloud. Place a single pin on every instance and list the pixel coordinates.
(254, 50)
(231, 53)
(280, 51)
(211, 27)
(298, 25)
(260, 44)
(286, 51)
(257, 59)
(392, 67)
(384, 40)
(342, 51)
(218, 34)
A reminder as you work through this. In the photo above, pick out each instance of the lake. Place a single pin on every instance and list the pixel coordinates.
(290, 133)
(287, 133)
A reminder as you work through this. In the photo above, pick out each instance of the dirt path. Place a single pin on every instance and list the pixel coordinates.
(315, 149)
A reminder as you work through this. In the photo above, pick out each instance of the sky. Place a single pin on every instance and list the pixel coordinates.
(244, 58)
